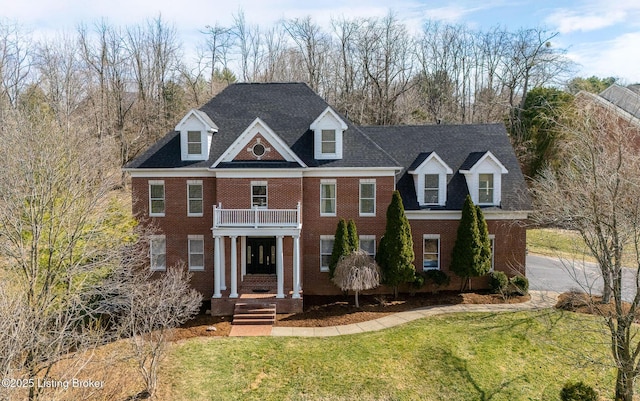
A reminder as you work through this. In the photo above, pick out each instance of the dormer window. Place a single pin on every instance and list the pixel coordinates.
(194, 142)
(430, 179)
(485, 188)
(328, 131)
(328, 143)
(483, 173)
(196, 132)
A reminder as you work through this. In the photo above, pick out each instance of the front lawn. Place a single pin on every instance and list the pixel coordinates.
(504, 356)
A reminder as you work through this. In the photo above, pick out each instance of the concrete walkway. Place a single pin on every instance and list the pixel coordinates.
(539, 300)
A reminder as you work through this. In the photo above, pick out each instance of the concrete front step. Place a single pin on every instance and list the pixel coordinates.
(254, 314)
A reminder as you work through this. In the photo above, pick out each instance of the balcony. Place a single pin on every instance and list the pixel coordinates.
(256, 217)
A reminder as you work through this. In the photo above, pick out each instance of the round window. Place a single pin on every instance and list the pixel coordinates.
(258, 150)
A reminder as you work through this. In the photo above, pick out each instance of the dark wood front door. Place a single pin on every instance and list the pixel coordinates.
(261, 255)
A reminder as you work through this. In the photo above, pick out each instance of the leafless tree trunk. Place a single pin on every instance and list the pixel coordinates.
(596, 192)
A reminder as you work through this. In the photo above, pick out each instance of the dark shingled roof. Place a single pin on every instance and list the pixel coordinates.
(625, 98)
(287, 108)
(290, 108)
(460, 146)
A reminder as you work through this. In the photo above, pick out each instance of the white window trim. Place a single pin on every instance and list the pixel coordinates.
(370, 238)
(323, 142)
(194, 183)
(328, 120)
(199, 142)
(325, 269)
(196, 238)
(164, 198)
(266, 187)
(488, 164)
(153, 238)
(431, 236)
(335, 199)
(368, 181)
(438, 188)
(493, 190)
(433, 164)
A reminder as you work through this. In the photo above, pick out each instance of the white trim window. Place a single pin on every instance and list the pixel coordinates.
(158, 252)
(326, 249)
(328, 142)
(196, 252)
(432, 189)
(156, 198)
(259, 194)
(368, 197)
(368, 244)
(194, 143)
(430, 252)
(328, 198)
(194, 198)
(485, 189)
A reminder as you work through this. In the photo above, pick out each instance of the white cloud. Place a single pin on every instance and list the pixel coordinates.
(594, 15)
(616, 58)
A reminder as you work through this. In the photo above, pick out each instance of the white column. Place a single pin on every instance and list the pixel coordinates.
(243, 256)
(216, 267)
(296, 266)
(234, 268)
(279, 266)
(223, 264)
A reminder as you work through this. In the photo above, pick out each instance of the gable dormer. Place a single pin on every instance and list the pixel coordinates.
(196, 130)
(483, 173)
(430, 179)
(328, 131)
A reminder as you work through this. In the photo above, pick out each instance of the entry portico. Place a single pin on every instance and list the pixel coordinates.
(261, 234)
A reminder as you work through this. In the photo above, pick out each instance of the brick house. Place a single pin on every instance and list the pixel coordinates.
(252, 185)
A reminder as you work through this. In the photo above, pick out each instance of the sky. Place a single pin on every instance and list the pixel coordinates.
(602, 36)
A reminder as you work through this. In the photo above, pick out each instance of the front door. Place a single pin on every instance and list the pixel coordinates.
(261, 255)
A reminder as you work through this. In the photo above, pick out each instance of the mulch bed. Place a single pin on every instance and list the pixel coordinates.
(323, 311)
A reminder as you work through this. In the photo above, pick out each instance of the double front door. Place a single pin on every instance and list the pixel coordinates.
(261, 255)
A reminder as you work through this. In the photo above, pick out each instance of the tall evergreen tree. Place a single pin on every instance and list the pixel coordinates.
(354, 241)
(341, 246)
(485, 244)
(395, 254)
(468, 258)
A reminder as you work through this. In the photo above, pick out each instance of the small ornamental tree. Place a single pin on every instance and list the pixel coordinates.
(468, 258)
(395, 253)
(340, 246)
(357, 272)
(352, 231)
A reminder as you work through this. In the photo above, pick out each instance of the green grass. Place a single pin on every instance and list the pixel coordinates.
(557, 243)
(507, 356)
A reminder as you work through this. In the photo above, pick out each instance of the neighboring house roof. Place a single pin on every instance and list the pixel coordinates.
(460, 147)
(287, 108)
(625, 98)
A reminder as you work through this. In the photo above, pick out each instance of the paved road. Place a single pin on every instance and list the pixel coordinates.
(553, 274)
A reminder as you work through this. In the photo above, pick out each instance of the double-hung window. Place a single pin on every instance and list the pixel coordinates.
(432, 189)
(196, 252)
(158, 252)
(431, 252)
(194, 142)
(156, 198)
(485, 188)
(367, 197)
(328, 141)
(194, 198)
(368, 244)
(328, 198)
(259, 194)
(326, 249)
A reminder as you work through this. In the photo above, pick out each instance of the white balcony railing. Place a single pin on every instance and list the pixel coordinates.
(256, 217)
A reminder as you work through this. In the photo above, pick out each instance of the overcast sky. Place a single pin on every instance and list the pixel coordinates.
(603, 36)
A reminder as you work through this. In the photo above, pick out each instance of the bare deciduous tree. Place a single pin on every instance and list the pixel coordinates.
(596, 192)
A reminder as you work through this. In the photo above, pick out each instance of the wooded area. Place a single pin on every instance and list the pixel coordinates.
(133, 83)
